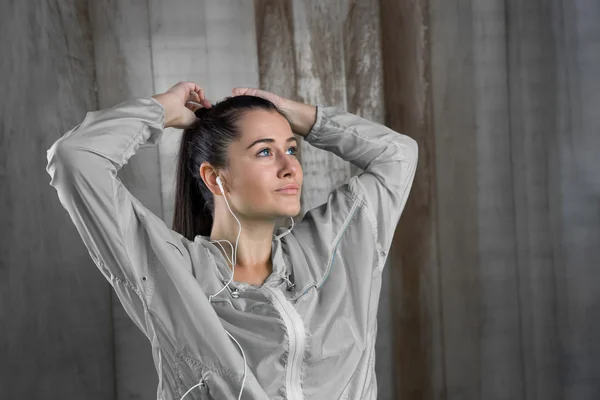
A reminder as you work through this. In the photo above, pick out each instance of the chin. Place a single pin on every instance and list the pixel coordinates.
(289, 212)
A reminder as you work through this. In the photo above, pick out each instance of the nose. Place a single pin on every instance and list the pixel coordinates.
(289, 166)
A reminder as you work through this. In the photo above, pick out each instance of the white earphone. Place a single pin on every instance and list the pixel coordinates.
(234, 293)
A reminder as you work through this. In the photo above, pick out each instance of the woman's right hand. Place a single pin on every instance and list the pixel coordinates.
(179, 106)
(302, 116)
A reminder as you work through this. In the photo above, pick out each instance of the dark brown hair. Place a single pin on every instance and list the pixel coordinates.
(207, 141)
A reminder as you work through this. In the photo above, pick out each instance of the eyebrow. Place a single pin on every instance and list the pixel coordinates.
(269, 140)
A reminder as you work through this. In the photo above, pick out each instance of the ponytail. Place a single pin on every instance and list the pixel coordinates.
(191, 217)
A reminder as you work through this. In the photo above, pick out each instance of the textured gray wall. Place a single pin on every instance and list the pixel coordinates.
(56, 339)
(498, 250)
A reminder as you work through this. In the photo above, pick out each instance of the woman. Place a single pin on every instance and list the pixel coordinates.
(290, 314)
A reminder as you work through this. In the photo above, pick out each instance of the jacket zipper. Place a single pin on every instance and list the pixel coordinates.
(296, 336)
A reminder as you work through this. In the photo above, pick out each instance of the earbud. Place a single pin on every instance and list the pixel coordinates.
(220, 184)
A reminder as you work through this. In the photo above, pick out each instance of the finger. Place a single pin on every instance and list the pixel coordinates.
(196, 94)
(203, 100)
(187, 87)
(250, 92)
(193, 105)
(189, 93)
(192, 86)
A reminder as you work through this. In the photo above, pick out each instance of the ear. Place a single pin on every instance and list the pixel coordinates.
(209, 176)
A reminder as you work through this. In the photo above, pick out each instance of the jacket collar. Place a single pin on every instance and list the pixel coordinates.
(279, 259)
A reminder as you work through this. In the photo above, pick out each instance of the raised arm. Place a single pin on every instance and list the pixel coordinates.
(83, 166)
(388, 158)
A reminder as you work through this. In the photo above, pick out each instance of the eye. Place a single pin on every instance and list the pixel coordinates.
(295, 148)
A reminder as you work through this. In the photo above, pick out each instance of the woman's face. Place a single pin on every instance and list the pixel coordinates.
(261, 162)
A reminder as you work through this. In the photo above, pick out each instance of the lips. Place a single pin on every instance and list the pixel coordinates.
(288, 187)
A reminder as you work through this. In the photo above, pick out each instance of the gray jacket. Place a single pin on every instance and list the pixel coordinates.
(308, 332)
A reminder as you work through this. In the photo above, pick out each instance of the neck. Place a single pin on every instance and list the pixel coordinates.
(253, 246)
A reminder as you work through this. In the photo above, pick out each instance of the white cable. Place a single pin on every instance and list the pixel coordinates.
(234, 255)
(190, 389)
(243, 355)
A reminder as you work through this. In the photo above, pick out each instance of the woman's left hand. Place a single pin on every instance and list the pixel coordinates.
(302, 116)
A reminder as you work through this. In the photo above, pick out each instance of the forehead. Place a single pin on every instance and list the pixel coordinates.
(258, 124)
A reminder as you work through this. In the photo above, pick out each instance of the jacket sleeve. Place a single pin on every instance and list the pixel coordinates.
(83, 166)
(389, 160)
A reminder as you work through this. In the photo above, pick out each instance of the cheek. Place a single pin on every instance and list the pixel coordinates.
(255, 184)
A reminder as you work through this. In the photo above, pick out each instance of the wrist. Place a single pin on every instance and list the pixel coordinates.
(303, 117)
(165, 101)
